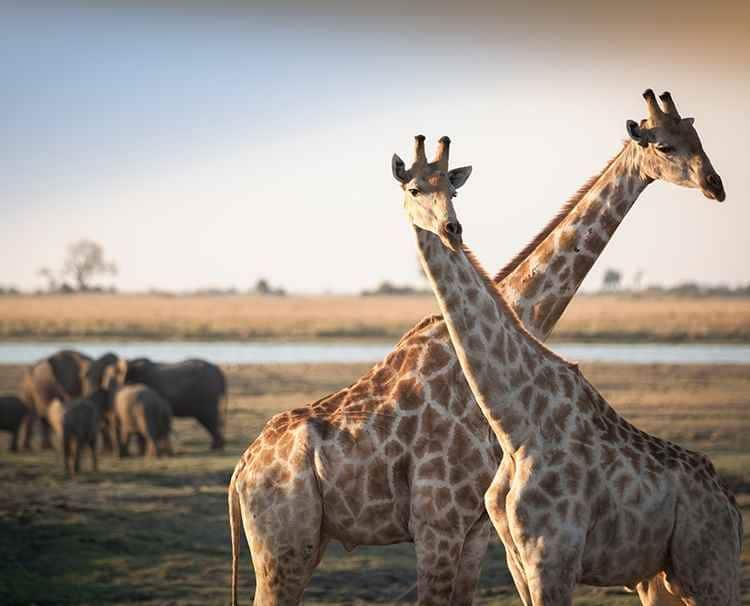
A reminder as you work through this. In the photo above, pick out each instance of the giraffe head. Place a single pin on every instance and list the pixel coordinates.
(429, 188)
(671, 149)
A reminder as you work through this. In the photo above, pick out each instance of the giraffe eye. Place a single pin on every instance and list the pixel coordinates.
(665, 149)
(414, 191)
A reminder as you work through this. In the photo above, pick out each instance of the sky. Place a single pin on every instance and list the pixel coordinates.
(212, 144)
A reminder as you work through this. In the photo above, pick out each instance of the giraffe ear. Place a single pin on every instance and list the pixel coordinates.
(398, 169)
(642, 136)
(458, 176)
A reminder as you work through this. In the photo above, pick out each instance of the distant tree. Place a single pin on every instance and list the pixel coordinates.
(612, 279)
(263, 287)
(49, 276)
(84, 259)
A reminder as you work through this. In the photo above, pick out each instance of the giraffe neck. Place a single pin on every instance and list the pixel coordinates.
(540, 286)
(498, 357)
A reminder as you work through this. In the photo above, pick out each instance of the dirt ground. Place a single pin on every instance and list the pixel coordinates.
(155, 531)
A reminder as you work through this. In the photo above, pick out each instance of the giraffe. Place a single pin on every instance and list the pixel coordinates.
(419, 385)
(581, 495)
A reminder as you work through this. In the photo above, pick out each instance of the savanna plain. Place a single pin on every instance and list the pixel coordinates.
(154, 531)
(611, 317)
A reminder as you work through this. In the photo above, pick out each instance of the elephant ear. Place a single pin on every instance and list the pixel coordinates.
(95, 376)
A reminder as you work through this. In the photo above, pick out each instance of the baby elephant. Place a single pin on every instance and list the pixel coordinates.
(139, 410)
(14, 414)
(77, 424)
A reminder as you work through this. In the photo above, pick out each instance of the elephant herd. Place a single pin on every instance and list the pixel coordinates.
(84, 400)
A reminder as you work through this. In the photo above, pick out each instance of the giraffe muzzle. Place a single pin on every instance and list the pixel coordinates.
(714, 187)
(450, 234)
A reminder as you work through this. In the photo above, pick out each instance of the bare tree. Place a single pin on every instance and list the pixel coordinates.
(84, 260)
(612, 279)
(49, 276)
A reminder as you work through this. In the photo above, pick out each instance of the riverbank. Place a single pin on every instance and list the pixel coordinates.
(590, 318)
(155, 532)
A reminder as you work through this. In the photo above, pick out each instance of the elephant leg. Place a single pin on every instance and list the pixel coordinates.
(14, 439)
(142, 441)
(122, 439)
(153, 449)
(211, 423)
(46, 434)
(94, 462)
(78, 454)
(27, 430)
(67, 450)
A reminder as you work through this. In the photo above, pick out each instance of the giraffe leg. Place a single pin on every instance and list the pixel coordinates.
(705, 555)
(494, 502)
(550, 586)
(654, 592)
(283, 529)
(438, 552)
(470, 565)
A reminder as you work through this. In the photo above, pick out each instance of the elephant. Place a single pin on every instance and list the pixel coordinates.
(14, 416)
(62, 376)
(193, 388)
(105, 374)
(77, 423)
(138, 409)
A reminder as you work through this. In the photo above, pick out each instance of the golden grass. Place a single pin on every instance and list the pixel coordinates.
(315, 317)
(155, 531)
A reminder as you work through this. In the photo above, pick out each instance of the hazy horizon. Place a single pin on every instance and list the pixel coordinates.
(210, 146)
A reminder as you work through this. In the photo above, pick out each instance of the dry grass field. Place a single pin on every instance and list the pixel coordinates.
(603, 318)
(155, 531)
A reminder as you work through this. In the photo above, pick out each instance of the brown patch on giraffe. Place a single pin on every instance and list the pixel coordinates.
(460, 444)
(609, 222)
(581, 265)
(378, 487)
(407, 429)
(545, 380)
(382, 376)
(541, 402)
(594, 243)
(511, 350)
(530, 359)
(412, 359)
(498, 349)
(591, 483)
(554, 457)
(475, 344)
(518, 377)
(436, 358)
(393, 449)
(561, 414)
(536, 498)
(557, 265)
(396, 359)
(466, 497)
(383, 424)
(572, 475)
(434, 469)
(408, 393)
(532, 284)
(550, 484)
(443, 498)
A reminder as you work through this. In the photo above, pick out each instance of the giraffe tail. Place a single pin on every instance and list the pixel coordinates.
(234, 529)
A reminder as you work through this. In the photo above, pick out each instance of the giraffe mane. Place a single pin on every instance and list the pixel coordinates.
(509, 267)
(495, 290)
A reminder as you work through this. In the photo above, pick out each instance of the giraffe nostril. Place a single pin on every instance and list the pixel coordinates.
(714, 180)
(453, 228)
